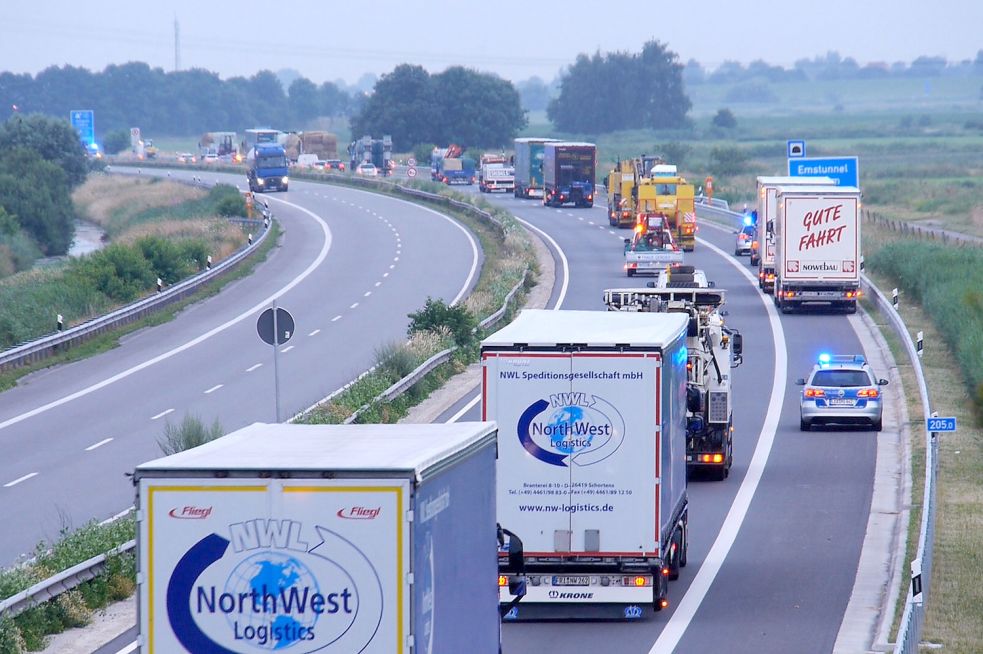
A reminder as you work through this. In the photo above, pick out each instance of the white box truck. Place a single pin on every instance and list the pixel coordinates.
(326, 538)
(592, 457)
(763, 256)
(817, 247)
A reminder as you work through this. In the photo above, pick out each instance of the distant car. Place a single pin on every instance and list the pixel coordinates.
(841, 389)
(334, 164)
(210, 158)
(186, 157)
(367, 170)
(745, 238)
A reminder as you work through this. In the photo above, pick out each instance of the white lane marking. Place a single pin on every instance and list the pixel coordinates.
(378, 284)
(253, 367)
(132, 647)
(162, 414)
(20, 479)
(590, 222)
(213, 389)
(315, 332)
(464, 409)
(353, 306)
(559, 301)
(569, 213)
(391, 266)
(563, 261)
(367, 293)
(395, 258)
(580, 217)
(687, 607)
(248, 313)
(336, 318)
(99, 444)
(287, 349)
(610, 231)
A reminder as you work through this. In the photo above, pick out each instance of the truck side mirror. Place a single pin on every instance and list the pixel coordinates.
(517, 561)
(627, 241)
(800, 382)
(771, 225)
(882, 382)
(737, 343)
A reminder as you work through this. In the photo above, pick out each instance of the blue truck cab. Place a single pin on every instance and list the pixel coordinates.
(568, 174)
(268, 168)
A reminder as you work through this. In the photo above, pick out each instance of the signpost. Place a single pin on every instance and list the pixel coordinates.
(275, 327)
(796, 149)
(938, 424)
(845, 170)
(84, 122)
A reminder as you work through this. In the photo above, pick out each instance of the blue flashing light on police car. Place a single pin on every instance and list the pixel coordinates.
(747, 220)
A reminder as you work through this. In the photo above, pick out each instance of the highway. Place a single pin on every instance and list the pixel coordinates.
(351, 266)
(774, 549)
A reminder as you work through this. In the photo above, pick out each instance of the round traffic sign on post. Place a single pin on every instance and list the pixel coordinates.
(411, 162)
(411, 172)
(284, 326)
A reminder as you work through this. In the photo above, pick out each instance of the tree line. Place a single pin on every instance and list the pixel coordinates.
(171, 103)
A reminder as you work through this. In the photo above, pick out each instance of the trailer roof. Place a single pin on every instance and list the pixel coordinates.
(538, 327)
(818, 180)
(818, 190)
(571, 143)
(344, 448)
(535, 139)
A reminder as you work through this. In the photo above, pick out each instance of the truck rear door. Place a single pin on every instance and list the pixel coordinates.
(613, 451)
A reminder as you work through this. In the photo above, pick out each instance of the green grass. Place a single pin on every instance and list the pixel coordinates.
(953, 616)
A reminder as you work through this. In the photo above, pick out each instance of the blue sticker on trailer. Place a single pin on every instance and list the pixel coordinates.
(845, 170)
(940, 424)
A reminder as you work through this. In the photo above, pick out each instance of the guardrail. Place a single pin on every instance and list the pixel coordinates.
(47, 346)
(64, 581)
(910, 629)
(60, 583)
(425, 368)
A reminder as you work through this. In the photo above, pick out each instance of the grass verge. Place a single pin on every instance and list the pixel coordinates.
(953, 618)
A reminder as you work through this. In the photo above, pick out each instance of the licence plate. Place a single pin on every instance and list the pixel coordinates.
(841, 402)
(571, 580)
(821, 294)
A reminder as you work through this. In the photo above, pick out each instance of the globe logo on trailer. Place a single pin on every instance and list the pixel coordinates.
(577, 428)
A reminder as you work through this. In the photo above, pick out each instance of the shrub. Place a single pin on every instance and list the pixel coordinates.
(121, 273)
(192, 432)
(116, 141)
(437, 315)
(227, 200)
(395, 360)
(724, 118)
(674, 152)
(167, 259)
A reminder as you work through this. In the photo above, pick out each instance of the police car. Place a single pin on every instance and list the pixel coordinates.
(841, 389)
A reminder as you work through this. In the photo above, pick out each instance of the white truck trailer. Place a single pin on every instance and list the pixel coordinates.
(326, 538)
(592, 457)
(817, 247)
(764, 255)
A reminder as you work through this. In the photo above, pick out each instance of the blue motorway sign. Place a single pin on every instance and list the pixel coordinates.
(940, 424)
(845, 170)
(84, 122)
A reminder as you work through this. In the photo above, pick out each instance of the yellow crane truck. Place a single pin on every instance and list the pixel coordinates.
(665, 192)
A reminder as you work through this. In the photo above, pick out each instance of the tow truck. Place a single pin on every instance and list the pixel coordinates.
(651, 247)
(712, 350)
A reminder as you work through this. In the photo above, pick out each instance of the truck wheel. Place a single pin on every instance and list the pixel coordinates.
(719, 474)
(754, 262)
(685, 546)
(631, 273)
(851, 307)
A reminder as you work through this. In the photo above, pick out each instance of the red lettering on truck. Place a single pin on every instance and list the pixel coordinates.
(819, 231)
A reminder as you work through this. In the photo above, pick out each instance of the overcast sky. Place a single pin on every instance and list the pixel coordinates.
(328, 40)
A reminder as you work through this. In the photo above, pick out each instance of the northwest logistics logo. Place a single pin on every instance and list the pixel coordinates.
(274, 585)
(571, 428)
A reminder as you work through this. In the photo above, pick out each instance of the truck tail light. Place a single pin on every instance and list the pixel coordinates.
(814, 392)
(868, 392)
(664, 603)
(789, 293)
(665, 571)
(503, 581)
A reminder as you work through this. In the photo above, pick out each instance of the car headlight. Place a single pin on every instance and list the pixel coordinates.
(259, 180)
(285, 179)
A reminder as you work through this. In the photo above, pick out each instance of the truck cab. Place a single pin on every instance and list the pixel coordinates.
(268, 168)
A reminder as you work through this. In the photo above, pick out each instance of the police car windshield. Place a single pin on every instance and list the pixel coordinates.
(840, 378)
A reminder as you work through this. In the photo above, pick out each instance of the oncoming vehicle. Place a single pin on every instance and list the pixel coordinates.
(842, 389)
(210, 158)
(367, 170)
(186, 157)
(334, 164)
(745, 239)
